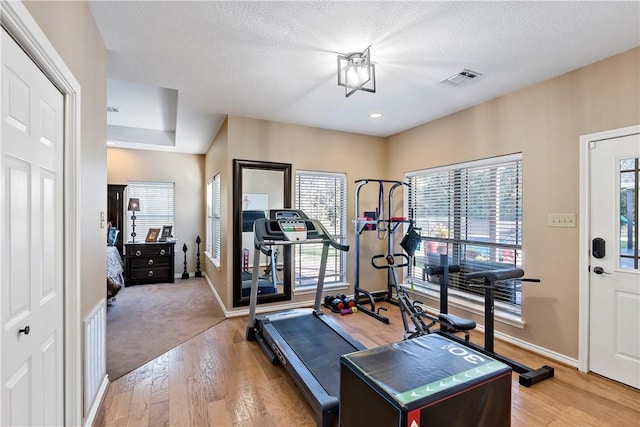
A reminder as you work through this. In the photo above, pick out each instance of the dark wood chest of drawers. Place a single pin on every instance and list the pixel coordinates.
(149, 263)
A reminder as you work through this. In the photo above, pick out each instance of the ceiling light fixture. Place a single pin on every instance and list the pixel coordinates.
(375, 115)
(356, 72)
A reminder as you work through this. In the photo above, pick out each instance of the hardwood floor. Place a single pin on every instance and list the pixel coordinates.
(219, 379)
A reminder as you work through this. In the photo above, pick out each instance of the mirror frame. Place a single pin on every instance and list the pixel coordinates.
(238, 167)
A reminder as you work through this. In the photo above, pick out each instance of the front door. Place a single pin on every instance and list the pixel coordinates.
(614, 273)
(31, 220)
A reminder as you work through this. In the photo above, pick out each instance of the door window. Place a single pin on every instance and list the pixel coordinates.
(629, 213)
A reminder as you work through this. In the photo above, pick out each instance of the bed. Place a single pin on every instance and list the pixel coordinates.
(115, 277)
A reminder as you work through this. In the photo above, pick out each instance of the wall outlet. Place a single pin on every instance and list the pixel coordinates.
(562, 220)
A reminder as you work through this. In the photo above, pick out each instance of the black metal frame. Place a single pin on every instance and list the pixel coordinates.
(265, 330)
(361, 295)
(528, 376)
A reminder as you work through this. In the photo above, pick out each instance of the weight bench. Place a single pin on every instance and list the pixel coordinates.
(489, 279)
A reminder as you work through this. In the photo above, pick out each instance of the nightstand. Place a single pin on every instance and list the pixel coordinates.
(149, 263)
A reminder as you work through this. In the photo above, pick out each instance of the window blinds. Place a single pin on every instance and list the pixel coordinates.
(209, 225)
(321, 196)
(473, 213)
(216, 217)
(156, 206)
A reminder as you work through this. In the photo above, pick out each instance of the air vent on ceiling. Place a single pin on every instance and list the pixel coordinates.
(112, 109)
(462, 78)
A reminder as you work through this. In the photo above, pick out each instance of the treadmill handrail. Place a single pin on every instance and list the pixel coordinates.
(263, 240)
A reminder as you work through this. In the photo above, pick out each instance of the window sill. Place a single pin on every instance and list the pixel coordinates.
(306, 290)
(214, 261)
(477, 309)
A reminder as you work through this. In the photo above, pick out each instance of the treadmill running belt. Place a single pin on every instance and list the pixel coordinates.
(318, 346)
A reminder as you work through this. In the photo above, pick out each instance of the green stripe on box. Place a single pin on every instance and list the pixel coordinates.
(448, 382)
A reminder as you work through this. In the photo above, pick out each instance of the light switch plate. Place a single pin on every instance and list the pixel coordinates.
(562, 220)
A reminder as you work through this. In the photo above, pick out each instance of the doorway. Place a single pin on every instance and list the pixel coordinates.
(21, 27)
(609, 263)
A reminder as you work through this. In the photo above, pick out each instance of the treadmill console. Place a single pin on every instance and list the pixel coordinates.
(290, 225)
(291, 222)
(276, 214)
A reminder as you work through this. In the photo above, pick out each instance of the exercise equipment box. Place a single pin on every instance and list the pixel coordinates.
(426, 381)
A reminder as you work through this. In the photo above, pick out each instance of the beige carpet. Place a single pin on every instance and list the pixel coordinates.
(146, 321)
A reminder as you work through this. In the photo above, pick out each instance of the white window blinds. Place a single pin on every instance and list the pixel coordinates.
(321, 196)
(157, 207)
(209, 225)
(213, 217)
(473, 213)
(216, 217)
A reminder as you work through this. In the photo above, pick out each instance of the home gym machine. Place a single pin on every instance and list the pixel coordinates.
(307, 343)
(385, 225)
(412, 310)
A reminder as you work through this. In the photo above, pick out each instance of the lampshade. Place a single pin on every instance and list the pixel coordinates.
(356, 72)
(134, 205)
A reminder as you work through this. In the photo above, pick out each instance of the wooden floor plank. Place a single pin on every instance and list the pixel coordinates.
(219, 379)
(159, 414)
(141, 400)
(160, 382)
(179, 414)
(218, 414)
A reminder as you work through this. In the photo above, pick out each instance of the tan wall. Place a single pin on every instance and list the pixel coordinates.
(85, 56)
(358, 156)
(544, 122)
(216, 163)
(186, 171)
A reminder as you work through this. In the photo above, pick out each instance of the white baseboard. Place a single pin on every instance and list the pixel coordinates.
(499, 335)
(95, 406)
(259, 309)
(566, 360)
(520, 343)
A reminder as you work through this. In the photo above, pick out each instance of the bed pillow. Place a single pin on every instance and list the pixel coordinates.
(112, 236)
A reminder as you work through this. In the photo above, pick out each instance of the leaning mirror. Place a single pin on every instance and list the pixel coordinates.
(257, 188)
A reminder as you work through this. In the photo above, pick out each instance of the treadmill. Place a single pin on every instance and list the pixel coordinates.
(305, 341)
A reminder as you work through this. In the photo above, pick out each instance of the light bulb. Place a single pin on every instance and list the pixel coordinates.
(363, 74)
(352, 77)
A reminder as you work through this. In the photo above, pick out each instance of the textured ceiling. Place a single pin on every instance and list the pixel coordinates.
(277, 60)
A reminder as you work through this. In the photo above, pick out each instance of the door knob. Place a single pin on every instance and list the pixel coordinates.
(25, 331)
(599, 270)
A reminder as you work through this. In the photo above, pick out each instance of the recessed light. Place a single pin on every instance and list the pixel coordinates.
(375, 115)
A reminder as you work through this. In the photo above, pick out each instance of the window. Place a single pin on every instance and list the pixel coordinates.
(322, 197)
(473, 213)
(213, 218)
(156, 207)
(629, 183)
(209, 226)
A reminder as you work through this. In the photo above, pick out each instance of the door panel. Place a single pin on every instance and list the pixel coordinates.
(16, 231)
(16, 397)
(614, 338)
(31, 160)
